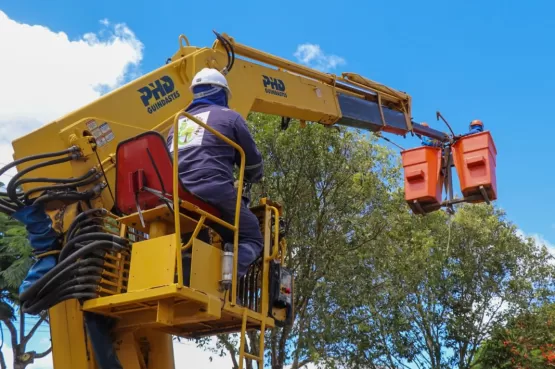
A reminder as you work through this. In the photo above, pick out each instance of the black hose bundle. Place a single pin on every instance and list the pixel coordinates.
(80, 267)
(230, 51)
(55, 189)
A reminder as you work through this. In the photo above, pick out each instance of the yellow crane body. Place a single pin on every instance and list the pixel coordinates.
(139, 279)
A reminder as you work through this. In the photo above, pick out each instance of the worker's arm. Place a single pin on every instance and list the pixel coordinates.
(253, 159)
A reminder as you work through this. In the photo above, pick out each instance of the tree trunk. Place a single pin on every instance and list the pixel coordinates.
(2, 361)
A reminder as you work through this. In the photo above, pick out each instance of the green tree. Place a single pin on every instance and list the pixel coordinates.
(15, 261)
(526, 341)
(447, 283)
(336, 187)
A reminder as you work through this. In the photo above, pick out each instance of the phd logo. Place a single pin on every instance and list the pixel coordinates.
(274, 86)
(158, 94)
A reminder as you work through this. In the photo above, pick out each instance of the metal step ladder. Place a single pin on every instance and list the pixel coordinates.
(245, 355)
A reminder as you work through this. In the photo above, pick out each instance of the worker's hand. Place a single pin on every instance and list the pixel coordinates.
(236, 184)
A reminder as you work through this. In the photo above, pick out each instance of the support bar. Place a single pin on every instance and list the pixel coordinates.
(430, 132)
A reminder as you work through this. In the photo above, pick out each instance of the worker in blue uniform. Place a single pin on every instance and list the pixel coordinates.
(206, 163)
(476, 126)
(206, 170)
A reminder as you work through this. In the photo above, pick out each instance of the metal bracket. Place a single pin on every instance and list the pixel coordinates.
(484, 194)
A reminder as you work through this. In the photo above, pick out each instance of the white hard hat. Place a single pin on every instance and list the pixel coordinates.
(210, 76)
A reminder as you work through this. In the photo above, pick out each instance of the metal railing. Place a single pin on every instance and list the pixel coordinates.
(205, 215)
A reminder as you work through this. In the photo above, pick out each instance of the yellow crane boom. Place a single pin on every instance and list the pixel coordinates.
(260, 82)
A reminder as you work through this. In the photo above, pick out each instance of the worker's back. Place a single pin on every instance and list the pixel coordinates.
(202, 156)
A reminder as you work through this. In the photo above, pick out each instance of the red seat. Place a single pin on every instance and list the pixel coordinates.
(144, 167)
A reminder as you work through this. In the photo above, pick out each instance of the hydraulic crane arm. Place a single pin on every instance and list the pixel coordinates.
(359, 101)
(259, 82)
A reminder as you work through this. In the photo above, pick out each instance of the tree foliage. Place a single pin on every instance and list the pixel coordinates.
(15, 261)
(447, 282)
(336, 187)
(526, 341)
(336, 190)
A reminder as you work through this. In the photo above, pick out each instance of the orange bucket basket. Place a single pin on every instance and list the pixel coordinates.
(423, 180)
(474, 157)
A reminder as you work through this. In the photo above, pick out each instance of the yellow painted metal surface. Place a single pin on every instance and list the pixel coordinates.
(160, 355)
(152, 263)
(129, 352)
(160, 213)
(68, 336)
(206, 268)
(111, 305)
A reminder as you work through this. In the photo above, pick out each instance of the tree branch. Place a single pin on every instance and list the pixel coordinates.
(21, 328)
(13, 332)
(302, 363)
(2, 361)
(232, 351)
(43, 354)
(274, 348)
(32, 331)
(281, 346)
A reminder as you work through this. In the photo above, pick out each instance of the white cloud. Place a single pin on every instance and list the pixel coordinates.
(539, 240)
(313, 56)
(45, 74)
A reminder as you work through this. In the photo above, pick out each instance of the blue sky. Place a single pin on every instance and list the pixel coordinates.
(489, 60)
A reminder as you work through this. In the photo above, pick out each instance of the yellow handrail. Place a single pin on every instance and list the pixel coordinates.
(176, 197)
(275, 250)
(199, 226)
(176, 212)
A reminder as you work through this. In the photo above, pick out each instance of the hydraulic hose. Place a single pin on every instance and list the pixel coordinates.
(88, 222)
(96, 236)
(46, 180)
(229, 51)
(7, 209)
(83, 291)
(8, 204)
(14, 163)
(68, 196)
(93, 228)
(67, 286)
(12, 185)
(52, 298)
(79, 218)
(84, 180)
(81, 267)
(38, 285)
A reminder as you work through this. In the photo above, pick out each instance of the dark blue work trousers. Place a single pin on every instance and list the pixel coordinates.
(250, 237)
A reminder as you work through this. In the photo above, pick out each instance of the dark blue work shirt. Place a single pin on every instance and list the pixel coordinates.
(205, 159)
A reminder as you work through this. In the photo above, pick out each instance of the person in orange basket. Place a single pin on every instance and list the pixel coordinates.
(476, 126)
